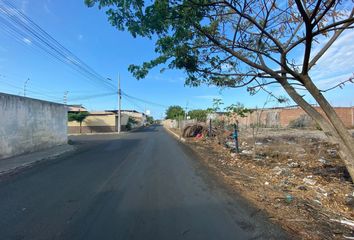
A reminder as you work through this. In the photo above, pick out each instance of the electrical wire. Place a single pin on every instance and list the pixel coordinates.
(19, 26)
(92, 96)
(27, 90)
(34, 85)
(54, 98)
(134, 104)
(144, 101)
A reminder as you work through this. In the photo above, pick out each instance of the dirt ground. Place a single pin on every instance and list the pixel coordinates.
(296, 177)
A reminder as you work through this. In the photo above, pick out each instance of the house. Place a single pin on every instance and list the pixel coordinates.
(138, 119)
(76, 108)
(104, 121)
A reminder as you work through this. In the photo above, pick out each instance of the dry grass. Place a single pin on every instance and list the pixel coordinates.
(298, 179)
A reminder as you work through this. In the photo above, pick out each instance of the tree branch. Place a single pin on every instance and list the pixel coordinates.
(321, 31)
(330, 42)
(340, 85)
(234, 53)
(256, 24)
(319, 18)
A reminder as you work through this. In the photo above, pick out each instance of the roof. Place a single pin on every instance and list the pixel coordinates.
(76, 108)
(101, 113)
(125, 110)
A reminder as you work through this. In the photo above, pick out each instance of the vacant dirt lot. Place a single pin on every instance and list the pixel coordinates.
(296, 177)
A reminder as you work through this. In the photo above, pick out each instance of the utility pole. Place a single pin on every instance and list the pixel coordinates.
(65, 100)
(25, 87)
(119, 105)
(185, 111)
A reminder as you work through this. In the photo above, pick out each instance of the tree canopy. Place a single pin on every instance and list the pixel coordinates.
(78, 117)
(199, 114)
(239, 109)
(253, 44)
(150, 119)
(175, 112)
(230, 43)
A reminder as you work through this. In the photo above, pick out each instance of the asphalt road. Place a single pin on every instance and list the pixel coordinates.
(140, 185)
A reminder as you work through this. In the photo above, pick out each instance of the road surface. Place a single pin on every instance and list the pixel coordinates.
(140, 185)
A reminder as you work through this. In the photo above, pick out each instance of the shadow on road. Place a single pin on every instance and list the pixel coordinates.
(168, 221)
(152, 128)
(129, 186)
(79, 139)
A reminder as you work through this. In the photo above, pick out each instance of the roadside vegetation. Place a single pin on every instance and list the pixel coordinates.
(250, 44)
(78, 117)
(131, 122)
(292, 173)
(302, 179)
(175, 112)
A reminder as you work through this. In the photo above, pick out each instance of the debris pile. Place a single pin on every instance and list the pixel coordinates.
(298, 180)
(194, 130)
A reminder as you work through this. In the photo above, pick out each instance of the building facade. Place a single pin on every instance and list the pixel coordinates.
(104, 121)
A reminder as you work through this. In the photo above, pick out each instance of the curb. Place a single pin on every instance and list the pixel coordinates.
(38, 159)
(89, 134)
(174, 134)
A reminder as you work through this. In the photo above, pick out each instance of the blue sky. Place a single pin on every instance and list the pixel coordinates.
(87, 33)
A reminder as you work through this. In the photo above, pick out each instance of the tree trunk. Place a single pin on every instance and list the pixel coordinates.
(338, 125)
(330, 113)
(346, 153)
(80, 126)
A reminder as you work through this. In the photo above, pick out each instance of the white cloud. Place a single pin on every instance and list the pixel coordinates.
(336, 64)
(160, 77)
(46, 9)
(46, 6)
(27, 41)
(24, 6)
(226, 67)
(331, 81)
(208, 97)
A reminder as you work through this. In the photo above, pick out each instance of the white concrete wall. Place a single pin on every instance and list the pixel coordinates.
(139, 117)
(28, 125)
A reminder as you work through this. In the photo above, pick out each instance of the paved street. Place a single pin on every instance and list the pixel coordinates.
(141, 185)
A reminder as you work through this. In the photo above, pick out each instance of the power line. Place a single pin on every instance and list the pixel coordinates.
(29, 91)
(19, 26)
(42, 91)
(144, 101)
(15, 78)
(91, 96)
(134, 104)
(55, 98)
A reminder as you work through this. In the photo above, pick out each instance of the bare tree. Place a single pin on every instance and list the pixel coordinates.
(255, 43)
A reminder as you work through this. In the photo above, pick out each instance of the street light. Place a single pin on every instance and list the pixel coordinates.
(25, 87)
(119, 104)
